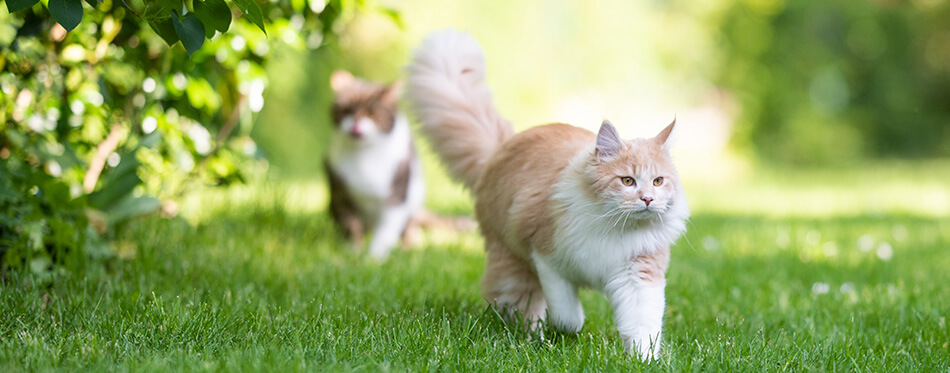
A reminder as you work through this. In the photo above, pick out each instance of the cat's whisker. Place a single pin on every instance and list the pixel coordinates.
(612, 213)
(609, 212)
(690, 223)
(608, 216)
(597, 216)
(606, 226)
(620, 216)
(618, 221)
(615, 212)
(686, 236)
(626, 215)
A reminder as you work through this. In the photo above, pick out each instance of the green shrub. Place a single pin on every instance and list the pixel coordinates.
(822, 81)
(101, 121)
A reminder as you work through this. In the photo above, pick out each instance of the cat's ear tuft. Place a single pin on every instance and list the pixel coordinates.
(393, 92)
(609, 143)
(340, 79)
(664, 137)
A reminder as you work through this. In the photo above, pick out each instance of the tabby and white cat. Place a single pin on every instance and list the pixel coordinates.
(375, 178)
(560, 207)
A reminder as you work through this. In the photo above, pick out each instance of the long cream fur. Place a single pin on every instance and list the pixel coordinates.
(448, 93)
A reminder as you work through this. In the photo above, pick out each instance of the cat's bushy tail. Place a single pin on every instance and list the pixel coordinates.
(446, 89)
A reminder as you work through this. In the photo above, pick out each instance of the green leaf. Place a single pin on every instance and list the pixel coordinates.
(190, 31)
(164, 28)
(159, 9)
(93, 3)
(395, 16)
(119, 183)
(111, 192)
(15, 5)
(152, 139)
(209, 32)
(253, 12)
(130, 207)
(67, 12)
(214, 13)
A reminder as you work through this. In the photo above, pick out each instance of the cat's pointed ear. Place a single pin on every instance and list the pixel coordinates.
(393, 92)
(340, 79)
(664, 136)
(609, 143)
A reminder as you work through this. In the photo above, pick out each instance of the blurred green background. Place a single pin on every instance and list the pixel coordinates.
(752, 83)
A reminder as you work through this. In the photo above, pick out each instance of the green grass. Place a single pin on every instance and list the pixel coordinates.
(256, 279)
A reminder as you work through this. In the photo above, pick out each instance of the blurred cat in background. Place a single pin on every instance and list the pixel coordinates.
(375, 177)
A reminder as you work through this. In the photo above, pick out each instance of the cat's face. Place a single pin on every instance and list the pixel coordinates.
(635, 178)
(363, 110)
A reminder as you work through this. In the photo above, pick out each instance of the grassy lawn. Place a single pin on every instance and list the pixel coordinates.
(256, 279)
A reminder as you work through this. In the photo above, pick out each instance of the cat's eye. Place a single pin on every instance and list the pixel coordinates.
(658, 181)
(628, 181)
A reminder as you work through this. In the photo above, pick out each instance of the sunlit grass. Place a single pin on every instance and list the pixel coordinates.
(256, 278)
(878, 189)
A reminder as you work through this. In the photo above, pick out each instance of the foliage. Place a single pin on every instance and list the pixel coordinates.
(823, 81)
(42, 223)
(122, 123)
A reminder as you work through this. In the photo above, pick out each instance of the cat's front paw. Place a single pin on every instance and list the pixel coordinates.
(645, 345)
(569, 322)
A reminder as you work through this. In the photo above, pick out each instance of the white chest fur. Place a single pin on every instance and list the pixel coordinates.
(368, 166)
(590, 251)
(591, 247)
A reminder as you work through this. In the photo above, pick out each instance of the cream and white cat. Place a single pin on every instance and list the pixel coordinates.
(376, 181)
(560, 207)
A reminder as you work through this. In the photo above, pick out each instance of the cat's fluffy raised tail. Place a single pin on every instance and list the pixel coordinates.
(446, 89)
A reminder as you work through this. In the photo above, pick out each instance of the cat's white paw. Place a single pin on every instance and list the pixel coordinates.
(379, 253)
(645, 345)
(568, 322)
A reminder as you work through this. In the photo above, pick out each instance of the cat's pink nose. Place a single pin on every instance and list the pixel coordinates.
(647, 200)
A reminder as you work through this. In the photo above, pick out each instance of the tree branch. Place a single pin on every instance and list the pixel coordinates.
(105, 148)
(229, 124)
(130, 9)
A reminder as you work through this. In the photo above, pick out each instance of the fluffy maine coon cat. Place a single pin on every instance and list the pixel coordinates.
(375, 178)
(560, 207)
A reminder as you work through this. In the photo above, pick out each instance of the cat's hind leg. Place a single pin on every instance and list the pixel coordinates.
(510, 284)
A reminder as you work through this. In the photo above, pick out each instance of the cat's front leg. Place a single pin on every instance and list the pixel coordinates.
(388, 230)
(343, 208)
(638, 313)
(637, 296)
(565, 311)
